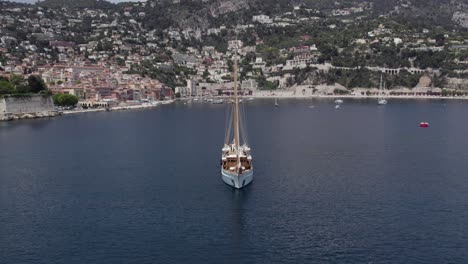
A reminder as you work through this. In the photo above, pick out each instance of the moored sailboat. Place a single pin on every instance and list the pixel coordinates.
(381, 100)
(236, 160)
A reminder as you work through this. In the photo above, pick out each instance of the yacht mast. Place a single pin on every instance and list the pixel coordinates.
(236, 111)
(381, 87)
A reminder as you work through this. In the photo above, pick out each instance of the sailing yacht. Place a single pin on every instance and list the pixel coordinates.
(236, 160)
(381, 100)
(276, 102)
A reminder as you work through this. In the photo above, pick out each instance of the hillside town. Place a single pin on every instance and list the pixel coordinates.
(119, 54)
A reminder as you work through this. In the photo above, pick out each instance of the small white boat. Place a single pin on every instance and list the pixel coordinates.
(219, 101)
(337, 106)
(338, 101)
(382, 101)
(312, 106)
(250, 99)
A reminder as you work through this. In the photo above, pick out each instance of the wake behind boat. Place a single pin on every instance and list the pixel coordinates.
(236, 160)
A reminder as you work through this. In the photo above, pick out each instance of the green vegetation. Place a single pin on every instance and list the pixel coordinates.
(16, 84)
(264, 84)
(167, 76)
(36, 84)
(446, 92)
(77, 4)
(6, 88)
(65, 100)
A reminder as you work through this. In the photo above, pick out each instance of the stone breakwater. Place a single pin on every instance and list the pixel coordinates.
(34, 106)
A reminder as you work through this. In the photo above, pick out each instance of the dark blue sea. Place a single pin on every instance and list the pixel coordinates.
(360, 184)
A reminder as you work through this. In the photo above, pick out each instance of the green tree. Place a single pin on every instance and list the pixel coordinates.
(69, 100)
(206, 74)
(16, 79)
(36, 84)
(65, 99)
(6, 88)
(23, 88)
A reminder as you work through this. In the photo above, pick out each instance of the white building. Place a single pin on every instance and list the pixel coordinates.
(259, 64)
(192, 88)
(397, 41)
(263, 19)
(232, 44)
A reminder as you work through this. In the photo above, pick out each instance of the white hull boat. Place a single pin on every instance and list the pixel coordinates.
(236, 160)
(382, 102)
(237, 181)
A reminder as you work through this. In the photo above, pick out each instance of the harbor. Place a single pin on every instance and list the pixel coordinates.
(327, 183)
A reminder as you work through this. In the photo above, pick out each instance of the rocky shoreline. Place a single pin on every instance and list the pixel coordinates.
(45, 114)
(12, 117)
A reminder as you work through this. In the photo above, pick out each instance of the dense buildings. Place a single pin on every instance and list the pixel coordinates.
(143, 50)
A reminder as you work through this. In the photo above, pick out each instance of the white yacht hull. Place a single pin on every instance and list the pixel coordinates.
(232, 179)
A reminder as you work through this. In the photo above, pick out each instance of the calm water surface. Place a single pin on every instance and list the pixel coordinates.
(361, 184)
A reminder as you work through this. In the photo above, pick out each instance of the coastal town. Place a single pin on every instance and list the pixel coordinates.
(109, 55)
(233, 131)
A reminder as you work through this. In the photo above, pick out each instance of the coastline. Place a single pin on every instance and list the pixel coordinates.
(293, 96)
(435, 97)
(119, 108)
(263, 96)
(70, 112)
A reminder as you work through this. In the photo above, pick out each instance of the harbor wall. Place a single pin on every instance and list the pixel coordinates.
(2, 108)
(26, 107)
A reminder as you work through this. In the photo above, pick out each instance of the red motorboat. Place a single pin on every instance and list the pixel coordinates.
(423, 124)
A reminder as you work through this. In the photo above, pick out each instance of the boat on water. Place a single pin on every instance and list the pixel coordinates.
(236, 160)
(337, 106)
(381, 100)
(338, 101)
(218, 101)
(424, 124)
(166, 102)
(276, 102)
